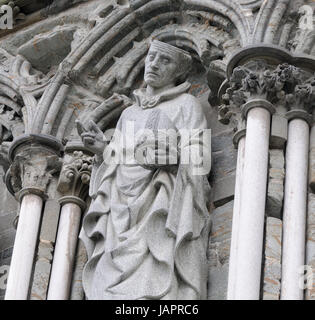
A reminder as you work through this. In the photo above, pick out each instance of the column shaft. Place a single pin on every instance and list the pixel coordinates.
(236, 219)
(294, 214)
(253, 199)
(61, 275)
(24, 248)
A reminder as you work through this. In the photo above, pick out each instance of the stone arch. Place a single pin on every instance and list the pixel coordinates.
(109, 58)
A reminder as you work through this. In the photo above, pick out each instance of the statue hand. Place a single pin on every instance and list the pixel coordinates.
(92, 137)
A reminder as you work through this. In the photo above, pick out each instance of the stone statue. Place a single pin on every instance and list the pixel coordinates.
(146, 231)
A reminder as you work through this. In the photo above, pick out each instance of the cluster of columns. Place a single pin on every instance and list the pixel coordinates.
(34, 160)
(245, 269)
(32, 157)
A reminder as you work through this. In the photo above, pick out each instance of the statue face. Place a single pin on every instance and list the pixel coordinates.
(160, 68)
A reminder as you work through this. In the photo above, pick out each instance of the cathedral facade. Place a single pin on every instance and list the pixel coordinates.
(73, 73)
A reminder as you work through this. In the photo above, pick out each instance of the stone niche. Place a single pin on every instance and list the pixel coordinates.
(63, 59)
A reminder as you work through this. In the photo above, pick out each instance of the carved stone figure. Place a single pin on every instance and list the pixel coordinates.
(147, 228)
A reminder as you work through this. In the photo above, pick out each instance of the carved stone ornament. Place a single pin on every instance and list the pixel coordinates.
(35, 160)
(75, 177)
(285, 85)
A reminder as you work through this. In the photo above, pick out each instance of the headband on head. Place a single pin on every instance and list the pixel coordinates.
(172, 50)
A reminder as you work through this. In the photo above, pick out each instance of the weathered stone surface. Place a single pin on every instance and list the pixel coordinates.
(275, 184)
(272, 259)
(219, 251)
(310, 245)
(217, 289)
(45, 251)
(57, 6)
(221, 226)
(224, 162)
(223, 190)
(222, 140)
(51, 48)
(224, 154)
(5, 259)
(312, 160)
(8, 211)
(276, 159)
(312, 169)
(42, 271)
(279, 132)
(50, 221)
(77, 292)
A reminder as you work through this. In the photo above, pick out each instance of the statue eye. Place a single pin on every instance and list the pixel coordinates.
(166, 61)
(151, 57)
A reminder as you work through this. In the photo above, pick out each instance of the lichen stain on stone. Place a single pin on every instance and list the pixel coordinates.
(277, 239)
(271, 281)
(35, 44)
(35, 295)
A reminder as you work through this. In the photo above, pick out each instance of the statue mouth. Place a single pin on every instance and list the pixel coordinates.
(150, 73)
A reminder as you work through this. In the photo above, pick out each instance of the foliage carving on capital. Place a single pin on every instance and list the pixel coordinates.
(303, 96)
(284, 85)
(75, 175)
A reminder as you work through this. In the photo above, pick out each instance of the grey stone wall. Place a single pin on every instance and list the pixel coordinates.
(272, 259)
(219, 251)
(222, 180)
(8, 210)
(310, 249)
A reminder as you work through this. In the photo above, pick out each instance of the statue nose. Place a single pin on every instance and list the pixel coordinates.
(154, 64)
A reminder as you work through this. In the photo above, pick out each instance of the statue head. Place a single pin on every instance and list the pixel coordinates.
(165, 65)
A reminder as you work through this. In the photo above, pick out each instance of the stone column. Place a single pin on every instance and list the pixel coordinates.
(236, 218)
(24, 247)
(256, 85)
(253, 200)
(73, 184)
(310, 236)
(249, 93)
(77, 292)
(295, 204)
(34, 161)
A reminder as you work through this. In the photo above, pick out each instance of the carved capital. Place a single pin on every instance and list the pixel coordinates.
(34, 161)
(229, 113)
(258, 80)
(247, 84)
(32, 171)
(75, 177)
(300, 101)
(282, 85)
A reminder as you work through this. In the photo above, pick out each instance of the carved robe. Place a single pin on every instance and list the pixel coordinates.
(146, 231)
